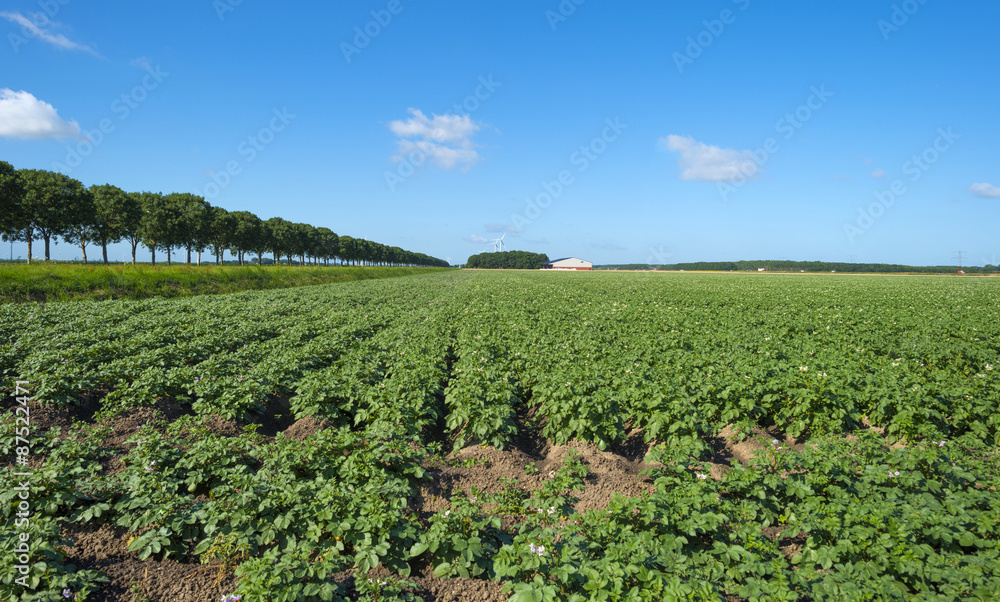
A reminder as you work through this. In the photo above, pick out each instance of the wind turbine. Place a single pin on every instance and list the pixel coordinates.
(498, 243)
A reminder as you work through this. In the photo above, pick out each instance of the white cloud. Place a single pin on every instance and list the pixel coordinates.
(879, 173)
(444, 140)
(34, 28)
(501, 228)
(474, 238)
(607, 246)
(24, 116)
(985, 190)
(700, 161)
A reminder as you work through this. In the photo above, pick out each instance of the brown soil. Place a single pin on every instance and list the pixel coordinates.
(727, 447)
(47, 416)
(482, 468)
(304, 427)
(103, 548)
(276, 418)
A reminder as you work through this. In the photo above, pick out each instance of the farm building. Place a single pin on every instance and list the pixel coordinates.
(568, 263)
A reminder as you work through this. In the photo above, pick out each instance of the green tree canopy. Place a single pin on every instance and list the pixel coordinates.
(117, 216)
(221, 225)
(51, 206)
(247, 232)
(508, 260)
(13, 218)
(84, 228)
(279, 231)
(158, 223)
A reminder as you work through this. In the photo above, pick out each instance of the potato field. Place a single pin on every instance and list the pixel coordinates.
(518, 436)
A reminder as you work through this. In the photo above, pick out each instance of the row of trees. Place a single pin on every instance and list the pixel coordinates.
(508, 260)
(43, 205)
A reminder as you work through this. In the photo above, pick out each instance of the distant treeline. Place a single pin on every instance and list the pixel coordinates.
(39, 205)
(508, 260)
(808, 266)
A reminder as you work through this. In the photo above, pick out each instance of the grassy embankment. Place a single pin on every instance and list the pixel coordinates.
(53, 281)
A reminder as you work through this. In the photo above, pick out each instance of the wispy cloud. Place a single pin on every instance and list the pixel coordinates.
(607, 246)
(501, 228)
(700, 161)
(879, 173)
(34, 28)
(442, 140)
(985, 190)
(24, 116)
(474, 238)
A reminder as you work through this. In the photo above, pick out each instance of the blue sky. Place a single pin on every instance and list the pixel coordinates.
(625, 132)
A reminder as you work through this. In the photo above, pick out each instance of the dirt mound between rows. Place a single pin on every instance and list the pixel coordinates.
(303, 427)
(103, 548)
(482, 468)
(728, 447)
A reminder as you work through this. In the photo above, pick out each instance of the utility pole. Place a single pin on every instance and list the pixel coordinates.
(959, 253)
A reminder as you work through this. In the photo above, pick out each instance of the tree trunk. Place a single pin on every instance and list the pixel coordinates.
(199, 257)
(168, 255)
(152, 249)
(47, 237)
(189, 255)
(134, 245)
(83, 249)
(104, 249)
(29, 248)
